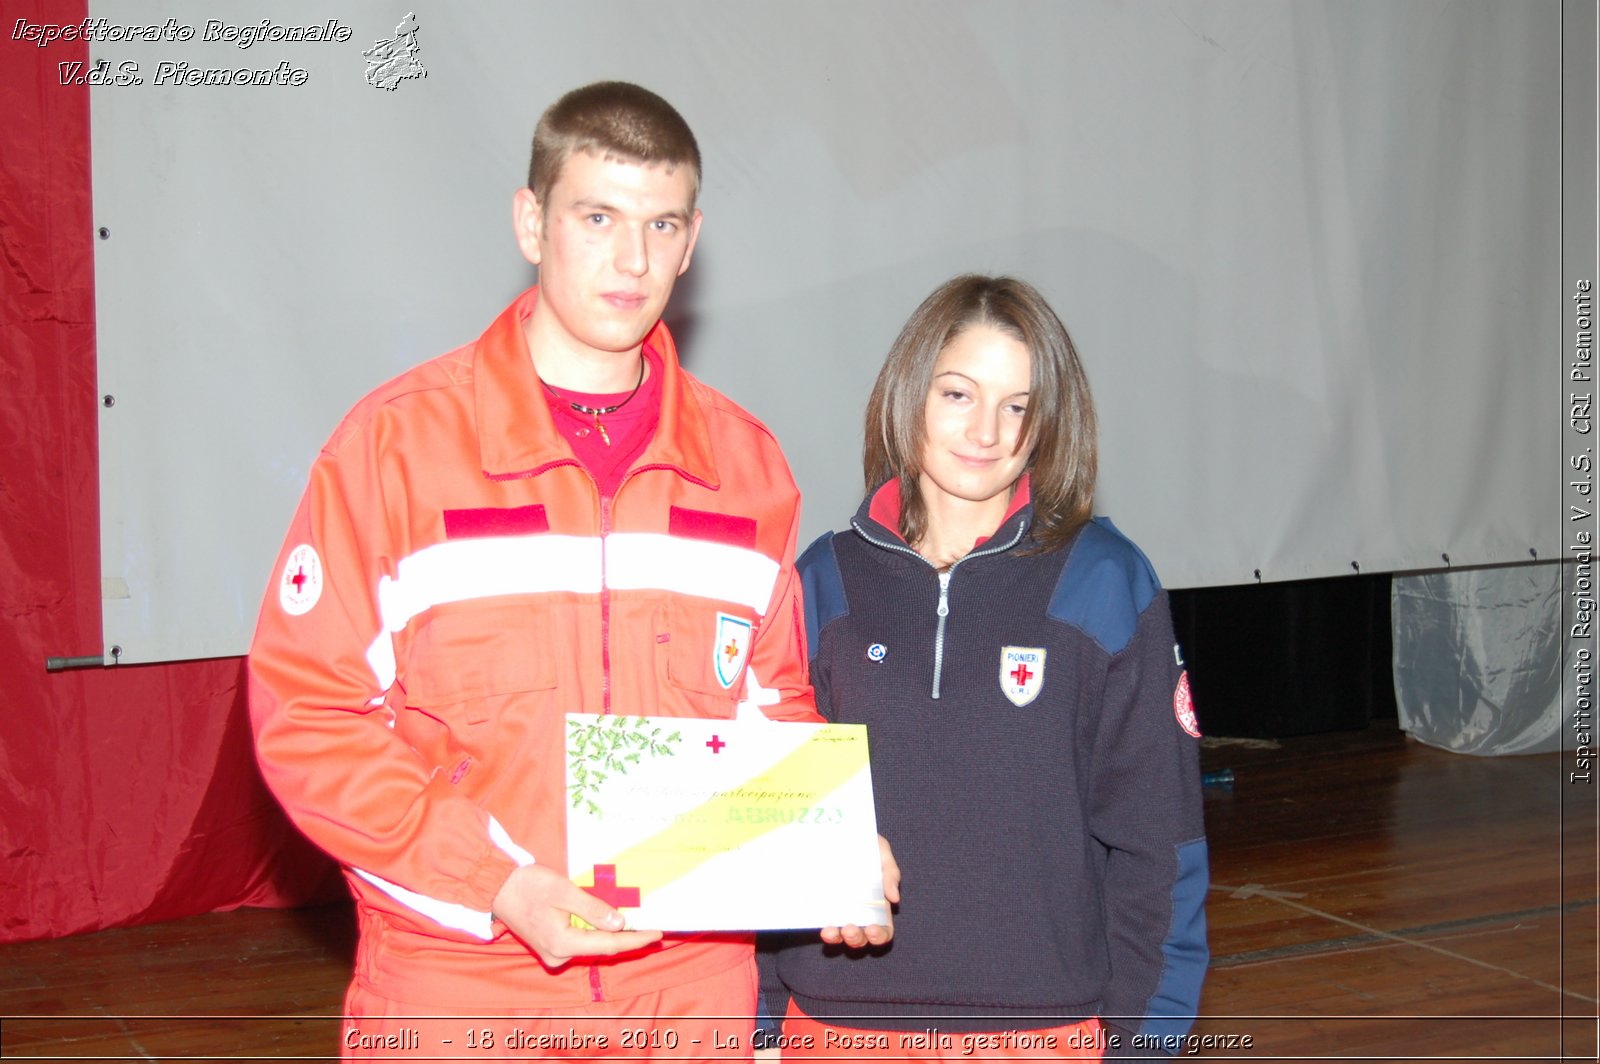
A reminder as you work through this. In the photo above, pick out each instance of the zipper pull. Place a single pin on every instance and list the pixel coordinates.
(944, 593)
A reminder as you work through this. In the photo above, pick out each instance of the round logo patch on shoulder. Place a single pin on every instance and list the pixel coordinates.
(301, 584)
(1183, 706)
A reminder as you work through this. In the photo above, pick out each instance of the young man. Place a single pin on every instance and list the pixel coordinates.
(555, 518)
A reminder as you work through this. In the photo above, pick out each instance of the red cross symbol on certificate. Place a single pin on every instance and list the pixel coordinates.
(716, 744)
(1021, 675)
(299, 579)
(605, 887)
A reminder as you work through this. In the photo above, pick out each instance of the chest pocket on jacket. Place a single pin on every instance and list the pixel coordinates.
(469, 655)
(707, 650)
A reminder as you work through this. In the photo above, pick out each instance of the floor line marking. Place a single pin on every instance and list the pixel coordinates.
(1283, 898)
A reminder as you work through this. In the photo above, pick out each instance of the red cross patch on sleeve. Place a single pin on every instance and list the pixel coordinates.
(1183, 706)
(301, 584)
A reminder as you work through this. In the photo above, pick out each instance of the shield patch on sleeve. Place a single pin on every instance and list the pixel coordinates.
(1021, 673)
(730, 648)
(1183, 706)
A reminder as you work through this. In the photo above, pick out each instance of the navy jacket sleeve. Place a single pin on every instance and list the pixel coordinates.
(1144, 805)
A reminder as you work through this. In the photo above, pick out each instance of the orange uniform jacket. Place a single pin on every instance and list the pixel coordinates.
(451, 587)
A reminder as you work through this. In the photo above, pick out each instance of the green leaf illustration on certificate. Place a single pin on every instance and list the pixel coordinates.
(599, 748)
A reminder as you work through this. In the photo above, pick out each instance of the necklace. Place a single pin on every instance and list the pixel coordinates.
(596, 411)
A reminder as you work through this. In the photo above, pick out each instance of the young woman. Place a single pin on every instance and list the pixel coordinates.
(1034, 750)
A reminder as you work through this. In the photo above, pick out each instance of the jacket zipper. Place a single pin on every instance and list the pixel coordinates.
(605, 623)
(596, 990)
(938, 637)
(943, 609)
(606, 504)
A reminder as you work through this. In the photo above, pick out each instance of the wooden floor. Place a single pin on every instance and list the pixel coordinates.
(1372, 899)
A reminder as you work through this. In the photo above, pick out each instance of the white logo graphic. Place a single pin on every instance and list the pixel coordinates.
(1021, 673)
(877, 652)
(301, 584)
(730, 648)
(392, 61)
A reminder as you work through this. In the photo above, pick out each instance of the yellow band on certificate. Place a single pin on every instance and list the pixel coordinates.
(704, 825)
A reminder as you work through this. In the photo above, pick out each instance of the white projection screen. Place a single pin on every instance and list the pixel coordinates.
(1309, 251)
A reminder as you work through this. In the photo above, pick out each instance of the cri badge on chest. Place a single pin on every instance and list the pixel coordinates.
(730, 647)
(1021, 673)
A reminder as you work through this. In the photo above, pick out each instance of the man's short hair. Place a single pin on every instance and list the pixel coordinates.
(613, 120)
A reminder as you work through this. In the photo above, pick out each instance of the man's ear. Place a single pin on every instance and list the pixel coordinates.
(694, 236)
(527, 221)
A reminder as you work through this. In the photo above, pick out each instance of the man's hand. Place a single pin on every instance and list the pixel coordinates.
(538, 904)
(873, 934)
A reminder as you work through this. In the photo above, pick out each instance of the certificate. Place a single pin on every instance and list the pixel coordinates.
(687, 824)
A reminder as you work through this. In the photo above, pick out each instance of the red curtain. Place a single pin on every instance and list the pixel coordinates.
(127, 794)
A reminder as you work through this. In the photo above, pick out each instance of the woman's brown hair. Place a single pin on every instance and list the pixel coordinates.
(1058, 430)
